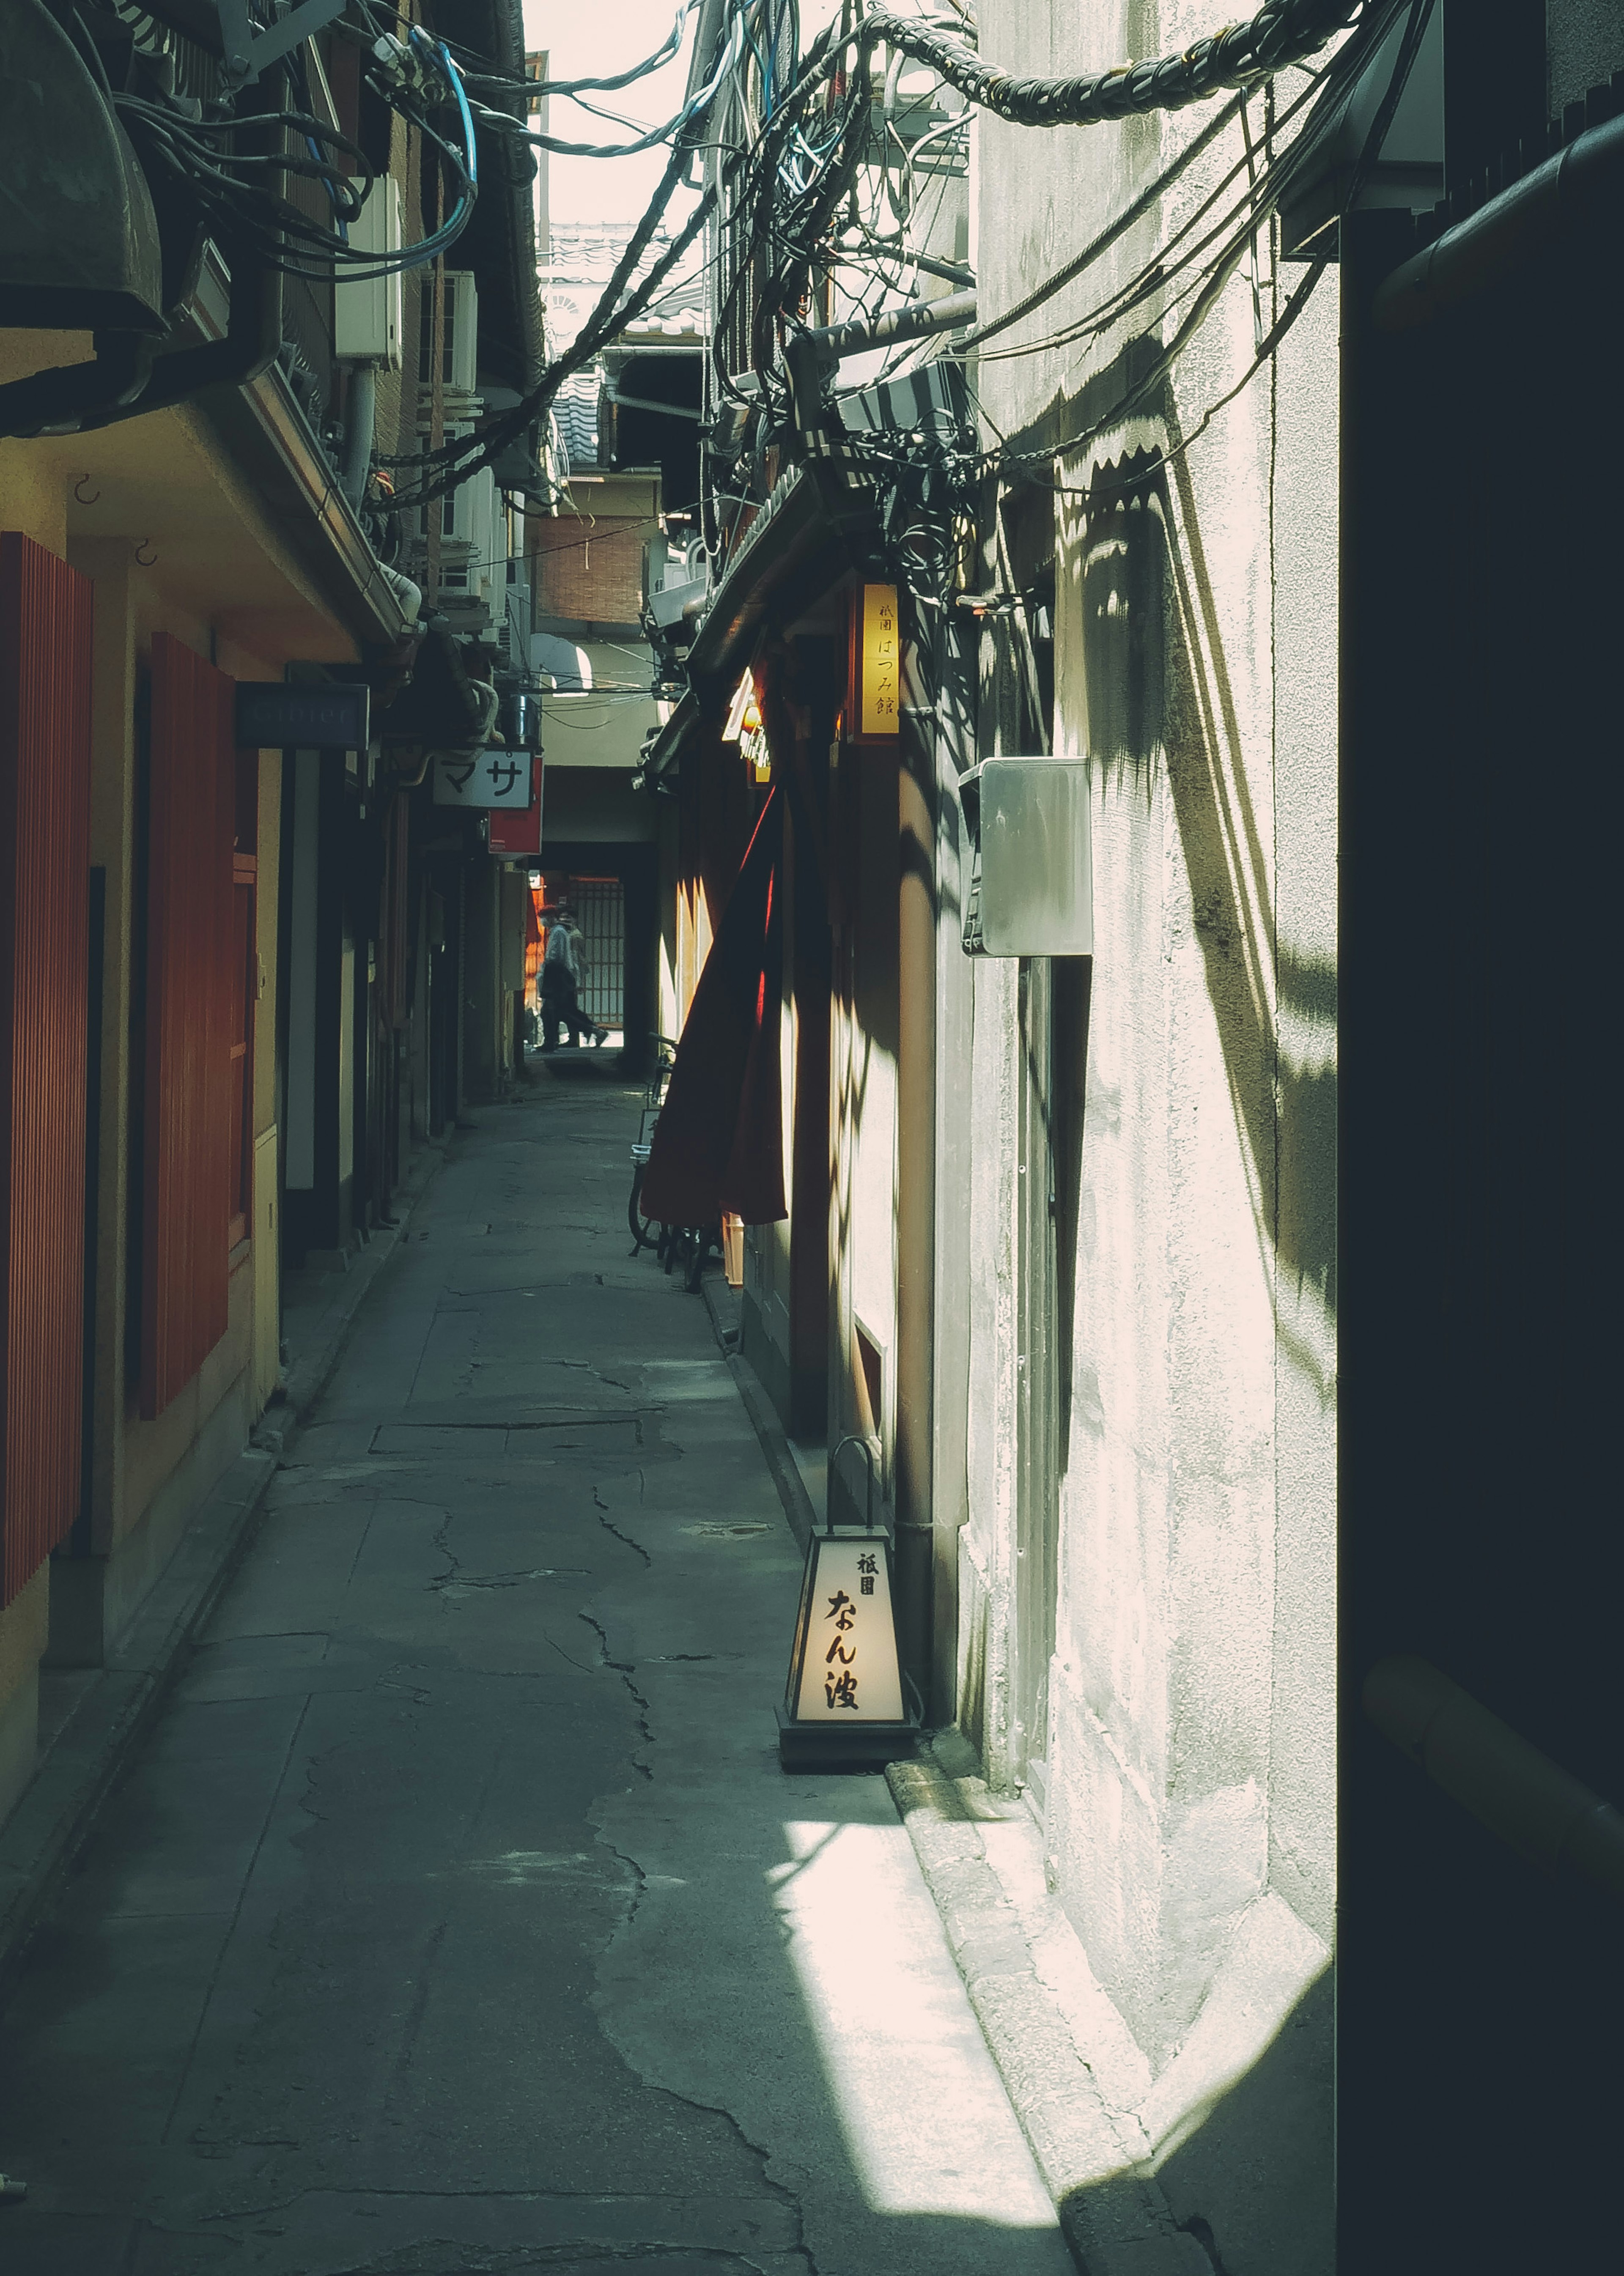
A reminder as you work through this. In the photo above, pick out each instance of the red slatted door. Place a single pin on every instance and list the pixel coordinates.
(188, 1118)
(45, 666)
(245, 990)
(245, 958)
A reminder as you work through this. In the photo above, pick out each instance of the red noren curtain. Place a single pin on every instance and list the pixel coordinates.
(186, 1108)
(45, 667)
(719, 1141)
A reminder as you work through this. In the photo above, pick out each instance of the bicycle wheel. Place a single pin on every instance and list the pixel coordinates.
(705, 1241)
(644, 1230)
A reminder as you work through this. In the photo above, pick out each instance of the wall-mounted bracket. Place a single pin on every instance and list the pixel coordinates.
(247, 52)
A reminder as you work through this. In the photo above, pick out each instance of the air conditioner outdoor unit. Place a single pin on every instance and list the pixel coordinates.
(467, 568)
(476, 515)
(446, 507)
(367, 312)
(460, 361)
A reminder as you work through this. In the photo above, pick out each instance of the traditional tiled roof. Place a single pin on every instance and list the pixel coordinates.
(583, 256)
(575, 415)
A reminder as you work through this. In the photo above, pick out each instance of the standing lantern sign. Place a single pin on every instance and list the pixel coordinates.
(843, 1703)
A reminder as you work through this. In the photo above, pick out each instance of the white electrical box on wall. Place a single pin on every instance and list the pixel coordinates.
(1026, 858)
(366, 311)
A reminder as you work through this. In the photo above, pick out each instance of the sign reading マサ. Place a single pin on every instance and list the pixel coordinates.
(483, 779)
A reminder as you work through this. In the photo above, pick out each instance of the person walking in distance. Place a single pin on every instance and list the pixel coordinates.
(563, 961)
(581, 955)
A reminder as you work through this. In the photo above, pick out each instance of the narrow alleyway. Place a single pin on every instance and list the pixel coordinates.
(457, 1916)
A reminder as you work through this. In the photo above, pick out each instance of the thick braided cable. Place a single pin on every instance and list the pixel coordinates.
(1282, 31)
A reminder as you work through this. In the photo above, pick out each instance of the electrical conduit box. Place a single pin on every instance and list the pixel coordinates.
(1026, 858)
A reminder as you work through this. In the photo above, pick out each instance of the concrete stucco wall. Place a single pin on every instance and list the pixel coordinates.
(1190, 1809)
(1584, 46)
(986, 1540)
(864, 1044)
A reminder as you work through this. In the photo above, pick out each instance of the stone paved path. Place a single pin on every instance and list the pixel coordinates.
(457, 1916)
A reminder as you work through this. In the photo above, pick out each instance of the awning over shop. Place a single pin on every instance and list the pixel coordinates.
(815, 525)
(719, 1144)
(663, 750)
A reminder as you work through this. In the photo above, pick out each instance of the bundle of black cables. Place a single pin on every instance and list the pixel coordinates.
(228, 165)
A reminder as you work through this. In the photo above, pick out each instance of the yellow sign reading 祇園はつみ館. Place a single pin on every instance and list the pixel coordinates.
(882, 662)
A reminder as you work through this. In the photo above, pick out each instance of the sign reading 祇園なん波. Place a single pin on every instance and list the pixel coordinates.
(847, 1653)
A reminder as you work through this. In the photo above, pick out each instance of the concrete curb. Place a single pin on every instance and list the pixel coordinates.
(1113, 2214)
(60, 1804)
(310, 1375)
(765, 1422)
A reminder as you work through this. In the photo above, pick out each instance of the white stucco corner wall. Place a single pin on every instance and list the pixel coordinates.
(1191, 1752)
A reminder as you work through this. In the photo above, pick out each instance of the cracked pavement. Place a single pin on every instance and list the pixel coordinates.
(455, 1915)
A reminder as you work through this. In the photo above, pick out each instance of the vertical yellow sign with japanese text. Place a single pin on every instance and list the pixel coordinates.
(882, 662)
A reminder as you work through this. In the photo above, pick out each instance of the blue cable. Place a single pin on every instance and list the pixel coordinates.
(339, 222)
(470, 147)
(452, 228)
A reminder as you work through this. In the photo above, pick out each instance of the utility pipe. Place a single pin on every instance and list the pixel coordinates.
(1519, 1793)
(914, 1495)
(409, 595)
(955, 272)
(1580, 187)
(359, 425)
(812, 357)
(914, 319)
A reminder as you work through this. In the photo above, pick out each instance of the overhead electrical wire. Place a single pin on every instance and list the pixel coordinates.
(669, 132)
(1281, 33)
(226, 180)
(979, 465)
(1264, 195)
(1277, 37)
(789, 181)
(537, 87)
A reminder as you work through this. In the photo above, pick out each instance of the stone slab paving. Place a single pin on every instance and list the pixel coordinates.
(455, 1915)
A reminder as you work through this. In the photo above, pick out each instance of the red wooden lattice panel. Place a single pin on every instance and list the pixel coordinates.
(192, 979)
(45, 666)
(244, 961)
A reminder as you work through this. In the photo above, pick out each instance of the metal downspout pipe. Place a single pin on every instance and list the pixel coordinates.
(1522, 1797)
(360, 422)
(1578, 188)
(916, 950)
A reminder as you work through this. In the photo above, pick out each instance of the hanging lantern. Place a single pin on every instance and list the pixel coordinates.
(745, 727)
